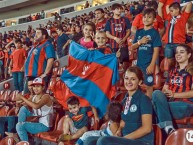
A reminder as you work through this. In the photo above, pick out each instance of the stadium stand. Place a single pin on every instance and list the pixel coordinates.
(70, 21)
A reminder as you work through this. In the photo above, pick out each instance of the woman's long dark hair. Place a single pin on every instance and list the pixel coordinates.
(189, 50)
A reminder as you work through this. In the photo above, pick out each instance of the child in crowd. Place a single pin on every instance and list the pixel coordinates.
(6, 63)
(88, 32)
(2, 55)
(114, 117)
(176, 28)
(118, 30)
(77, 122)
(147, 41)
(189, 29)
(18, 58)
(101, 40)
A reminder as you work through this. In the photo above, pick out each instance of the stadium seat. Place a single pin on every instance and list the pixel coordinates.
(164, 65)
(6, 85)
(191, 120)
(12, 97)
(56, 117)
(7, 141)
(180, 137)
(94, 125)
(158, 139)
(119, 97)
(130, 40)
(157, 82)
(126, 65)
(13, 111)
(4, 110)
(5, 97)
(53, 135)
(183, 121)
(190, 44)
(104, 125)
(134, 62)
(132, 54)
(55, 68)
(56, 64)
(55, 72)
(60, 71)
(1, 92)
(23, 143)
(120, 84)
(52, 82)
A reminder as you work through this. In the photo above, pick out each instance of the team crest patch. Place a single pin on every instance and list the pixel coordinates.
(133, 108)
(150, 79)
(149, 37)
(35, 51)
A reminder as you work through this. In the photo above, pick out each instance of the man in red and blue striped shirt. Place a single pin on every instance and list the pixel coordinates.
(40, 58)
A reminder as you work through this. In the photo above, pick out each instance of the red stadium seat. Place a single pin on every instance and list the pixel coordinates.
(53, 135)
(1, 92)
(55, 68)
(191, 121)
(132, 55)
(7, 141)
(94, 125)
(13, 111)
(6, 85)
(120, 85)
(5, 97)
(4, 110)
(157, 82)
(164, 65)
(190, 44)
(158, 139)
(130, 40)
(54, 126)
(104, 125)
(134, 62)
(12, 97)
(182, 136)
(52, 82)
(55, 72)
(56, 64)
(183, 121)
(23, 143)
(60, 71)
(119, 97)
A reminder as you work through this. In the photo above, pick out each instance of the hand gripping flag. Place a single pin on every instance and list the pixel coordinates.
(90, 75)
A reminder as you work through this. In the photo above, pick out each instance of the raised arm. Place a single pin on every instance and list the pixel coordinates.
(43, 101)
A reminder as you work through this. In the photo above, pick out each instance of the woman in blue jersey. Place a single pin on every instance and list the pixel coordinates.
(136, 124)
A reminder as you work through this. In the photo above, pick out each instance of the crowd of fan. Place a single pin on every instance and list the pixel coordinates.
(88, 31)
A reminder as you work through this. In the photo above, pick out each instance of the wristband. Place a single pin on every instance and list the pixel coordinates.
(138, 43)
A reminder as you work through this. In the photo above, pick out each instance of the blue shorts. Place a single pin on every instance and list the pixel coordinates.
(170, 50)
(1, 63)
(148, 78)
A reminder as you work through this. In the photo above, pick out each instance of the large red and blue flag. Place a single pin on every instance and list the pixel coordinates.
(90, 75)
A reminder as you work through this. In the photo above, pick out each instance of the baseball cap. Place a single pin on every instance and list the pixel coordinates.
(38, 81)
